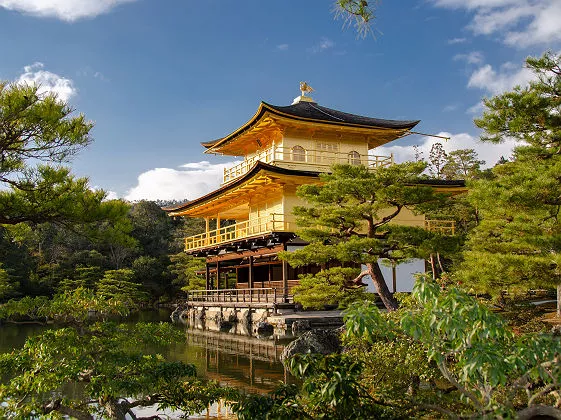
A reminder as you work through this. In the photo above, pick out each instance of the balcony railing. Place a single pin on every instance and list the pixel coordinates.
(246, 229)
(256, 295)
(446, 227)
(276, 223)
(322, 159)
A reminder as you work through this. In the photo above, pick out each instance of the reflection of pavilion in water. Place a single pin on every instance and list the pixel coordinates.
(243, 362)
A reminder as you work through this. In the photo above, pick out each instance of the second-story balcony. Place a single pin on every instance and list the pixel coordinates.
(238, 231)
(320, 160)
(275, 222)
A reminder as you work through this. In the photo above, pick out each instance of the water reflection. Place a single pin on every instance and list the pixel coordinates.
(247, 363)
(231, 358)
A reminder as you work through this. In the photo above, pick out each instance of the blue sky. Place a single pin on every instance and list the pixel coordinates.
(159, 77)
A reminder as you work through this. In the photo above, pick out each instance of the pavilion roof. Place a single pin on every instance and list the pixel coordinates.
(307, 111)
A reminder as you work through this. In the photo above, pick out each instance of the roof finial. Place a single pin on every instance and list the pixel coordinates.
(304, 88)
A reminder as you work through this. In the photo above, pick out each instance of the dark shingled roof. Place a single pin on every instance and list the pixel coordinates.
(311, 111)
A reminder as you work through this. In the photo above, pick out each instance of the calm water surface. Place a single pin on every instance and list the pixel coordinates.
(240, 361)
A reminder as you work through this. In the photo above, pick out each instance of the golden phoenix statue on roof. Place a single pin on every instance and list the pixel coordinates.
(305, 88)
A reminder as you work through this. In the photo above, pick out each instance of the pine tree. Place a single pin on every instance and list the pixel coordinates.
(351, 219)
(517, 245)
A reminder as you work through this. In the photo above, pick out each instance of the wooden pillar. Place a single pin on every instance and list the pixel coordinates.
(217, 275)
(207, 275)
(394, 277)
(218, 228)
(250, 273)
(285, 281)
(207, 230)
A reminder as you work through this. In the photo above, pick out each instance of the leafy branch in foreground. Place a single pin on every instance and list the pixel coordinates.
(357, 12)
(494, 371)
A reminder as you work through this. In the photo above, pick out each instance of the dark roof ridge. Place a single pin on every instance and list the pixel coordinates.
(322, 113)
(311, 111)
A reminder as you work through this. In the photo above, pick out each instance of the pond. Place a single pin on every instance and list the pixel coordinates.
(244, 362)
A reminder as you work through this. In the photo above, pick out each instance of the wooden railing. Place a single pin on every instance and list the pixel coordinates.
(446, 227)
(270, 223)
(276, 223)
(256, 295)
(323, 159)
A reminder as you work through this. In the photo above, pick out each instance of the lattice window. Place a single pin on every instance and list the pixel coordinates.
(354, 158)
(327, 147)
(298, 154)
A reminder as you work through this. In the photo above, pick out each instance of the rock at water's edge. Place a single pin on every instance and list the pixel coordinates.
(315, 341)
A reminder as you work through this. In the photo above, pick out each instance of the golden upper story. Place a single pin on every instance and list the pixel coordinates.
(283, 147)
(309, 137)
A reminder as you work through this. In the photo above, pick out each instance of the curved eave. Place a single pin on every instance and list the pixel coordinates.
(258, 167)
(448, 186)
(268, 108)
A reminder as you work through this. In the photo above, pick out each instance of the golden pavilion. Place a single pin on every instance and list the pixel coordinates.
(249, 218)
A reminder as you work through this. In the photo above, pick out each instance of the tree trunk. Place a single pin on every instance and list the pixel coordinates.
(559, 301)
(116, 410)
(539, 412)
(381, 287)
(433, 266)
(440, 266)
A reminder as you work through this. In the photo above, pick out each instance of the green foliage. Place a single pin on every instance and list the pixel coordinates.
(350, 219)
(152, 228)
(85, 277)
(36, 128)
(328, 287)
(8, 287)
(152, 273)
(359, 13)
(108, 361)
(114, 236)
(25, 308)
(519, 236)
(118, 284)
(75, 306)
(184, 268)
(462, 164)
(330, 389)
(493, 371)
(437, 161)
(528, 114)
(35, 132)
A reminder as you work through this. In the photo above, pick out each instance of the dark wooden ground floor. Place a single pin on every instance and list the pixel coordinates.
(253, 269)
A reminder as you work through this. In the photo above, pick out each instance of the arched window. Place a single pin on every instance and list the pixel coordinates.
(298, 154)
(354, 158)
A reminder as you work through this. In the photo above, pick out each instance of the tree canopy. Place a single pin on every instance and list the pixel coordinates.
(37, 134)
(351, 219)
(519, 236)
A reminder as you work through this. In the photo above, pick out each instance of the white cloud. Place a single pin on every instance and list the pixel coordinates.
(192, 180)
(282, 47)
(476, 109)
(47, 82)
(111, 195)
(488, 152)
(519, 23)
(454, 41)
(495, 82)
(68, 10)
(474, 57)
(505, 79)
